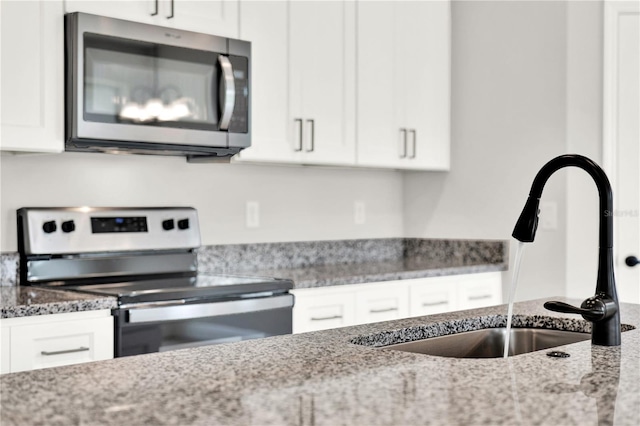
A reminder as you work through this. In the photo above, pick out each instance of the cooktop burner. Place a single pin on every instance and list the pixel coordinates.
(198, 288)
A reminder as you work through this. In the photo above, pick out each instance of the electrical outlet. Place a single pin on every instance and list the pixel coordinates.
(359, 213)
(548, 215)
(253, 214)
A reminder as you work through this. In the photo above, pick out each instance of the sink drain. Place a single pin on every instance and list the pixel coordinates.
(558, 354)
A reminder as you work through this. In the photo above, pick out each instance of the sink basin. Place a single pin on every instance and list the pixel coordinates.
(489, 342)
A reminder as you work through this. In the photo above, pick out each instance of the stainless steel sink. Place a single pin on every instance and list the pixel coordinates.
(489, 342)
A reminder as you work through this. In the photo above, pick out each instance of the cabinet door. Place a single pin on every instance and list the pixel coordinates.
(219, 17)
(378, 100)
(32, 76)
(145, 11)
(265, 25)
(317, 74)
(313, 311)
(432, 296)
(382, 304)
(479, 290)
(5, 350)
(424, 34)
(54, 344)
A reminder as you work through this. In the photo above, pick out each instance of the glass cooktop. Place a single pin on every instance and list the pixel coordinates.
(198, 288)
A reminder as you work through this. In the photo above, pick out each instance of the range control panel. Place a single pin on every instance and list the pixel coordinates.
(89, 229)
(102, 225)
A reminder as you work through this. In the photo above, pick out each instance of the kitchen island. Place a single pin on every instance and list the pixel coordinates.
(324, 378)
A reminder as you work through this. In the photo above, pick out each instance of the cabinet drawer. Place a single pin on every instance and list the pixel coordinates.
(479, 291)
(382, 304)
(320, 312)
(434, 296)
(61, 343)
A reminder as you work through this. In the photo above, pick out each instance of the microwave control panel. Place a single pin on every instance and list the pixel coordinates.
(240, 118)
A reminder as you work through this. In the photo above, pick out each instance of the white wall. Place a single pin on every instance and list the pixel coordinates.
(508, 119)
(585, 35)
(296, 203)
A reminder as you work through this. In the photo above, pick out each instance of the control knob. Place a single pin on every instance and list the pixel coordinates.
(183, 224)
(168, 224)
(49, 227)
(68, 226)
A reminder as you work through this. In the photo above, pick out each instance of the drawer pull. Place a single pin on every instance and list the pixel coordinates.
(442, 302)
(326, 318)
(67, 351)
(481, 297)
(379, 311)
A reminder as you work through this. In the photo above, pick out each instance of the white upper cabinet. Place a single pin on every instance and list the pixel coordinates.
(145, 11)
(379, 135)
(217, 17)
(32, 88)
(404, 84)
(319, 72)
(303, 101)
(426, 76)
(265, 25)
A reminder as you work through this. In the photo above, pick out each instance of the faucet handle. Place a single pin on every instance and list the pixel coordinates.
(592, 309)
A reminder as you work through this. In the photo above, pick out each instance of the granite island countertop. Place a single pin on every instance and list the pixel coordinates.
(321, 378)
(29, 301)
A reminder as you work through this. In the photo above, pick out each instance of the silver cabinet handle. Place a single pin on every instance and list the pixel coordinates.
(412, 146)
(312, 138)
(298, 146)
(402, 146)
(172, 9)
(67, 351)
(156, 8)
(480, 297)
(443, 302)
(227, 92)
(326, 318)
(379, 311)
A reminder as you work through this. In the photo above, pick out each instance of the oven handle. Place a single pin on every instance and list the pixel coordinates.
(212, 309)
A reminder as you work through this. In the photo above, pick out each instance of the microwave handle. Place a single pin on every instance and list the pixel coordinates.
(227, 92)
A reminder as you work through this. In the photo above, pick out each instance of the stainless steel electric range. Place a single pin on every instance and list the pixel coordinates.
(147, 259)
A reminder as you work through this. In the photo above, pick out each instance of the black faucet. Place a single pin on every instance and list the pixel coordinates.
(603, 308)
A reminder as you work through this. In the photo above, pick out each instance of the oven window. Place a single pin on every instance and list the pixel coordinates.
(142, 83)
(135, 339)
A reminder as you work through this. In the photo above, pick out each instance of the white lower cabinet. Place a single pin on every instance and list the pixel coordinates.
(479, 292)
(432, 296)
(386, 302)
(313, 311)
(42, 341)
(322, 308)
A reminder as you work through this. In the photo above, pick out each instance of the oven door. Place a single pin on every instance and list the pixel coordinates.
(164, 326)
(141, 83)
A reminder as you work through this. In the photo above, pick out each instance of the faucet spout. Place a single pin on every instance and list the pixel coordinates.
(603, 308)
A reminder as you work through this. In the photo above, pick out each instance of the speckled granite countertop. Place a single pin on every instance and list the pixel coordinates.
(28, 301)
(333, 275)
(321, 378)
(331, 263)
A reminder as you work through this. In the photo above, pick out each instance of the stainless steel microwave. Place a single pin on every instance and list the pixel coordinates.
(140, 88)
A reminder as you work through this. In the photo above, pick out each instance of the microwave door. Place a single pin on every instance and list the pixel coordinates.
(227, 92)
(132, 86)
